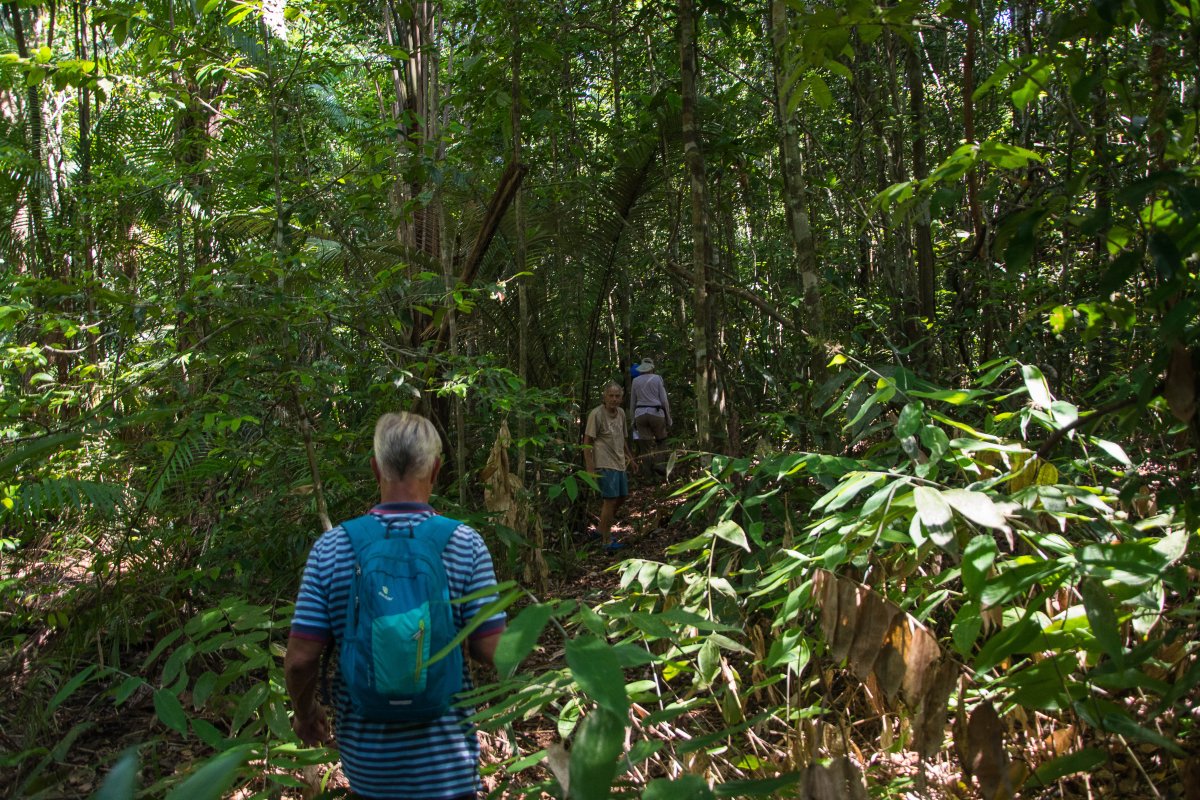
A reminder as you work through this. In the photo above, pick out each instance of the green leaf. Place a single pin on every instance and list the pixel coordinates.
(731, 532)
(212, 779)
(936, 516)
(121, 781)
(1011, 582)
(910, 419)
(248, 705)
(1013, 639)
(978, 557)
(686, 787)
(977, 507)
(1114, 450)
(598, 744)
(845, 492)
(1102, 617)
(598, 673)
(1124, 725)
(955, 397)
(819, 90)
(481, 616)
(169, 711)
(521, 637)
(162, 645)
(1056, 769)
(69, 688)
(965, 628)
(207, 732)
(757, 787)
(127, 687)
(1035, 382)
(708, 663)
(38, 448)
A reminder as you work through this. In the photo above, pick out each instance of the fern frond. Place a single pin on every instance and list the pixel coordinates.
(180, 456)
(63, 496)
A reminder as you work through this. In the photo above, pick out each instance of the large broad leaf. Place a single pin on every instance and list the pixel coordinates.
(521, 637)
(935, 515)
(731, 532)
(599, 744)
(1035, 382)
(598, 673)
(977, 507)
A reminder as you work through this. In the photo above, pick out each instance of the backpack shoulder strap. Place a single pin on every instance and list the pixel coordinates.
(438, 530)
(363, 530)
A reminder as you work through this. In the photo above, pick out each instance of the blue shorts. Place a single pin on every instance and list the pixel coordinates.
(614, 483)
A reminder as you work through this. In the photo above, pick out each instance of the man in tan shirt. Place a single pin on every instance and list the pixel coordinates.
(606, 452)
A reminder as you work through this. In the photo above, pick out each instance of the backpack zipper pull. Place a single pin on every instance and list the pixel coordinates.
(419, 637)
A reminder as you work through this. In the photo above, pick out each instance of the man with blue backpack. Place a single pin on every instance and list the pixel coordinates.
(383, 591)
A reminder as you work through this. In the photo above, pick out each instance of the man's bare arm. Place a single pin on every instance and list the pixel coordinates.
(301, 671)
(483, 649)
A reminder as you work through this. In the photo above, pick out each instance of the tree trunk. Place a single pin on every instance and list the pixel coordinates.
(795, 189)
(926, 301)
(701, 247)
(519, 243)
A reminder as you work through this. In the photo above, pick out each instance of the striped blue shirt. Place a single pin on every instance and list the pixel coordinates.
(387, 760)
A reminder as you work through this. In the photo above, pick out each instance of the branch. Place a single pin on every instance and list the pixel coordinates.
(750, 297)
(1047, 447)
(510, 181)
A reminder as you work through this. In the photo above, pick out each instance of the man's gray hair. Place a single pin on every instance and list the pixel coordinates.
(612, 385)
(406, 446)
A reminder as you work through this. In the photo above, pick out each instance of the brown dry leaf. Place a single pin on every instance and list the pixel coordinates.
(1059, 742)
(987, 759)
(874, 620)
(929, 728)
(919, 664)
(503, 494)
(500, 486)
(850, 599)
(825, 593)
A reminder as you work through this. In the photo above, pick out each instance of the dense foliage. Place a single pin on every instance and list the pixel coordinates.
(921, 279)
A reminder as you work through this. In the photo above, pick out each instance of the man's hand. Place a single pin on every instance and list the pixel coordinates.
(312, 729)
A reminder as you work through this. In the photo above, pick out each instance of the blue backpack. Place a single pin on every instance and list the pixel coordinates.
(398, 616)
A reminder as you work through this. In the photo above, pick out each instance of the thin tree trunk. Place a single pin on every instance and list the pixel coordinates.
(926, 301)
(795, 189)
(700, 241)
(519, 243)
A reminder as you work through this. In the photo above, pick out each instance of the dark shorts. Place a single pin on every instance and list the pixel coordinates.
(614, 483)
(651, 426)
